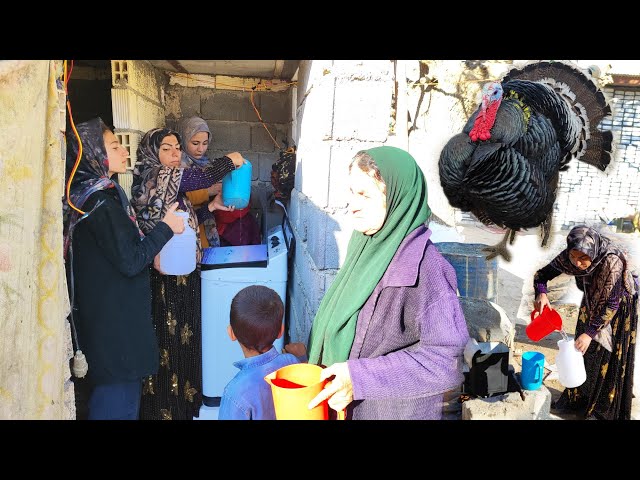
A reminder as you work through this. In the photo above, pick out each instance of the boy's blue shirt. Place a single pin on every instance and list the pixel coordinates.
(248, 396)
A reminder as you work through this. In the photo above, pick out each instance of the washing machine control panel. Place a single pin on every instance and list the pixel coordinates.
(275, 242)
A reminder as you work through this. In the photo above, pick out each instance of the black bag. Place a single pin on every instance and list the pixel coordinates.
(283, 174)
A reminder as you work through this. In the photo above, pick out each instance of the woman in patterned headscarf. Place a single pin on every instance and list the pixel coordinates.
(159, 179)
(608, 314)
(108, 276)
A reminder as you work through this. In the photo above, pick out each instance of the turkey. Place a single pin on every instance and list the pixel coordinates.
(505, 165)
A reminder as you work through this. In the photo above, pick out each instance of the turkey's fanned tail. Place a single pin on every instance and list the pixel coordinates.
(586, 100)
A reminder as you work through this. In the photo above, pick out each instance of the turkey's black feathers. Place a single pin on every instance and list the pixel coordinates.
(549, 115)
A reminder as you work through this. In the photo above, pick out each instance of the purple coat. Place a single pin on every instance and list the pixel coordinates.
(410, 336)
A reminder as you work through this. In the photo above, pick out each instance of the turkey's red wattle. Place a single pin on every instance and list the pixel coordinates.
(484, 122)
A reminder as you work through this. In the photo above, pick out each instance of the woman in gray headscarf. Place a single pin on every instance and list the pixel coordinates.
(217, 227)
(608, 315)
(196, 137)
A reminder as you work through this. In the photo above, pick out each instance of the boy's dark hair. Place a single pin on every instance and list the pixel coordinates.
(256, 317)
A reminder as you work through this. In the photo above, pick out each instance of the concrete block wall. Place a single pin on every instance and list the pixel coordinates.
(342, 107)
(137, 95)
(234, 123)
(137, 100)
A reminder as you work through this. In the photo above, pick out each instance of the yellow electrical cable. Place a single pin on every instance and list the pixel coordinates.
(73, 127)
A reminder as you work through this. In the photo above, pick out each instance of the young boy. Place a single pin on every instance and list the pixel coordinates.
(256, 322)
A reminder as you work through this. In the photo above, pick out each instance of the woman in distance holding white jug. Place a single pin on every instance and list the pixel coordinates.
(607, 323)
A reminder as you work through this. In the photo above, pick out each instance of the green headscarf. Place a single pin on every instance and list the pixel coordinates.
(368, 256)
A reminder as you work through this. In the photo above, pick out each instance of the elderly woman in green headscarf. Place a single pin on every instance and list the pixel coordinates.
(390, 329)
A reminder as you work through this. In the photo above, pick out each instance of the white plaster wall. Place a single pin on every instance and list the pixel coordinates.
(342, 107)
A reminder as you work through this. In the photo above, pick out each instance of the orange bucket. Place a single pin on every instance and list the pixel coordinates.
(293, 387)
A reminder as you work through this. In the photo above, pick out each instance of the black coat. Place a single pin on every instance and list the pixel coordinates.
(113, 291)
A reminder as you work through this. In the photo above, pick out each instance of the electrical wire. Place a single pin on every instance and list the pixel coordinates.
(262, 121)
(79, 366)
(73, 127)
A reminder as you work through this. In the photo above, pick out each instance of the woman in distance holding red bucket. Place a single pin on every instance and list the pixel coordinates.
(608, 315)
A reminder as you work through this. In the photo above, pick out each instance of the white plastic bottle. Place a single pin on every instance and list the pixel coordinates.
(571, 371)
(178, 256)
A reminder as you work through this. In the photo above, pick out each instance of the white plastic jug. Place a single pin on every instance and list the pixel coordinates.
(178, 256)
(570, 364)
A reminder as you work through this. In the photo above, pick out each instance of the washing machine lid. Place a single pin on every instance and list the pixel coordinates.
(235, 257)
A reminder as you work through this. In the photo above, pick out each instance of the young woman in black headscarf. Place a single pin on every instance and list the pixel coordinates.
(108, 259)
(607, 323)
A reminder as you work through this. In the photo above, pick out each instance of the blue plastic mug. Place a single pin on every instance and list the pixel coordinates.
(532, 370)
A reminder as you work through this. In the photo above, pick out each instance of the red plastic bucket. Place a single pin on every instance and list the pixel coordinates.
(543, 324)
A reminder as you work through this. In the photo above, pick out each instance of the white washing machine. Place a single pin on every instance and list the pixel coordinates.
(226, 271)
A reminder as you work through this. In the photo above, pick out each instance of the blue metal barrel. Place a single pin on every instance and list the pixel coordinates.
(477, 277)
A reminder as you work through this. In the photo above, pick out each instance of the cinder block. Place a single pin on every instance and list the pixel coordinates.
(363, 69)
(338, 233)
(315, 115)
(265, 161)
(190, 102)
(312, 171)
(362, 111)
(311, 279)
(138, 75)
(300, 320)
(275, 107)
(230, 136)
(261, 141)
(312, 74)
(487, 321)
(510, 406)
(124, 107)
(297, 321)
(232, 106)
(316, 237)
(119, 72)
(130, 140)
(297, 221)
(131, 111)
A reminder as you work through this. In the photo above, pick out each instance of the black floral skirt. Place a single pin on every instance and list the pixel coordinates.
(608, 390)
(175, 392)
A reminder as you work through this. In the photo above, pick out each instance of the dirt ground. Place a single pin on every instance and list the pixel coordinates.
(515, 291)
